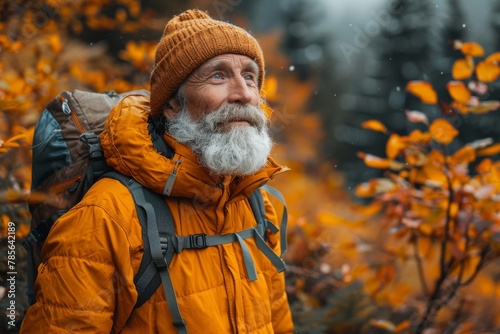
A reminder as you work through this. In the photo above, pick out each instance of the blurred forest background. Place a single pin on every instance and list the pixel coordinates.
(393, 196)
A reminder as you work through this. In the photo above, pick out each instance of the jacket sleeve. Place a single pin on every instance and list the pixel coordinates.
(281, 314)
(85, 283)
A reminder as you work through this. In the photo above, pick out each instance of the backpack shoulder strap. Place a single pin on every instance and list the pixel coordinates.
(256, 201)
(152, 209)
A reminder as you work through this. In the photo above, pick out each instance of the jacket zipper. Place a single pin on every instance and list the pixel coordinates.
(169, 185)
(67, 110)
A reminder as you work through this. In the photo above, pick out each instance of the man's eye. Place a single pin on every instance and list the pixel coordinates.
(250, 77)
(217, 75)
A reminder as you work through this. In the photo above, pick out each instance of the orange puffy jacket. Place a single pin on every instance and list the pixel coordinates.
(85, 283)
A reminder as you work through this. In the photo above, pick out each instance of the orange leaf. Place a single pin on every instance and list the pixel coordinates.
(395, 146)
(374, 125)
(458, 91)
(442, 131)
(485, 165)
(423, 90)
(383, 324)
(417, 136)
(466, 154)
(415, 157)
(374, 161)
(487, 71)
(493, 58)
(462, 69)
(402, 326)
(271, 88)
(472, 49)
(55, 43)
(492, 150)
(366, 189)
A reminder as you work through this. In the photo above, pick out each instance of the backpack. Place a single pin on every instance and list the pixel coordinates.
(67, 160)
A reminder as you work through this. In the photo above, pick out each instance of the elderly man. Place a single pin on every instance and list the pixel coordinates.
(205, 93)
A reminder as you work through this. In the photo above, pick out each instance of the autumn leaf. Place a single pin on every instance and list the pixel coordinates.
(462, 69)
(270, 88)
(416, 116)
(484, 107)
(374, 187)
(419, 137)
(395, 146)
(466, 154)
(487, 71)
(442, 131)
(415, 157)
(423, 90)
(485, 165)
(491, 150)
(374, 125)
(472, 49)
(383, 324)
(404, 325)
(374, 161)
(55, 43)
(366, 189)
(332, 219)
(480, 143)
(458, 91)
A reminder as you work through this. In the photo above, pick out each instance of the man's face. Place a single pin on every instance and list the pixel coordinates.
(218, 117)
(225, 79)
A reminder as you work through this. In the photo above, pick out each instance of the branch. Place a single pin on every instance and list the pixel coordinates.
(446, 227)
(483, 260)
(420, 268)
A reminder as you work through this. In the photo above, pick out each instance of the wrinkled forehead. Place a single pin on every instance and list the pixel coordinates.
(230, 61)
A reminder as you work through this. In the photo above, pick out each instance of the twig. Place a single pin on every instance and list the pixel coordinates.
(420, 268)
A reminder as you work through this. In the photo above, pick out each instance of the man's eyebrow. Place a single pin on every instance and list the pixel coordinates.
(221, 63)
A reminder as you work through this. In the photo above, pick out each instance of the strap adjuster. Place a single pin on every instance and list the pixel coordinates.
(198, 240)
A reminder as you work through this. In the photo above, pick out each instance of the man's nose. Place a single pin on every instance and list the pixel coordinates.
(239, 91)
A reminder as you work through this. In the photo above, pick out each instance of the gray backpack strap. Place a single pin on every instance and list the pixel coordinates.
(258, 232)
(284, 218)
(152, 209)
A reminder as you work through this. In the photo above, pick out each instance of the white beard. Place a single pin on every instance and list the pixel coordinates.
(222, 147)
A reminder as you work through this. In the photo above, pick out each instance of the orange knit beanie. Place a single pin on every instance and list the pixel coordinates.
(189, 40)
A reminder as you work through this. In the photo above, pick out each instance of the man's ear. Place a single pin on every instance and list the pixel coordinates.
(171, 108)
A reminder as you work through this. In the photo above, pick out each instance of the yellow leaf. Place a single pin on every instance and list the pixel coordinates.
(491, 150)
(487, 71)
(395, 146)
(458, 91)
(472, 49)
(374, 125)
(484, 107)
(442, 131)
(423, 90)
(462, 69)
